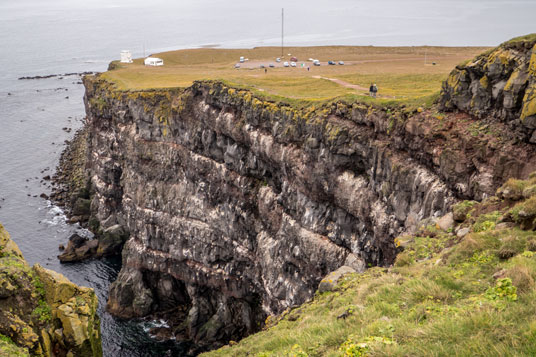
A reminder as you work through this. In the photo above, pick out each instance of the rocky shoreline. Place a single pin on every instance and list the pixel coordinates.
(80, 74)
(70, 184)
(72, 191)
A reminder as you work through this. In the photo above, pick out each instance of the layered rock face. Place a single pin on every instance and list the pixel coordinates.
(236, 207)
(500, 84)
(41, 312)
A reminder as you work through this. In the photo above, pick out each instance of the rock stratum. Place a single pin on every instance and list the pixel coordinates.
(41, 312)
(232, 207)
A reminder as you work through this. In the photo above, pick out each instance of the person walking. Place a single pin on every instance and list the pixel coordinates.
(374, 90)
(371, 90)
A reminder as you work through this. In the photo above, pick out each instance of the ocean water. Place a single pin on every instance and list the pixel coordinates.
(42, 37)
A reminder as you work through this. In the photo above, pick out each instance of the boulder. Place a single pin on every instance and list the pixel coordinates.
(78, 248)
(462, 232)
(330, 281)
(446, 222)
(112, 240)
(81, 207)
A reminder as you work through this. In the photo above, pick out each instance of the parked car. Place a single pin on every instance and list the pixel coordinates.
(341, 62)
(237, 65)
(293, 64)
(278, 59)
(331, 63)
(316, 62)
(262, 66)
(272, 65)
(293, 59)
(242, 59)
(286, 64)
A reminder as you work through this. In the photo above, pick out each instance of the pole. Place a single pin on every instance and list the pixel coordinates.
(282, 28)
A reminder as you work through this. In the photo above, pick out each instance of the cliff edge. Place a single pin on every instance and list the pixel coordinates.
(41, 312)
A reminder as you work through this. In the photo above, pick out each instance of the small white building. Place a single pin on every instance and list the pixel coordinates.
(153, 61)
(126, 56)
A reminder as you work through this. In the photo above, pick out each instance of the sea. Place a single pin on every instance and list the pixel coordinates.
(61, 37)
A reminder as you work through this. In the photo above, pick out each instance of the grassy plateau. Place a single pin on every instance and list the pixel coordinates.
(402, 74)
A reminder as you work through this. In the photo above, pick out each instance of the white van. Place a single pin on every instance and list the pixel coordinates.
(153, 61)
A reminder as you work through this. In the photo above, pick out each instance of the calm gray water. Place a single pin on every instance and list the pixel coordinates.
(40, 37)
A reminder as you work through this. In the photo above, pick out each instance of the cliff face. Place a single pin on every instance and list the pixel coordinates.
(41, 312)
(500, 84)
(237, 207)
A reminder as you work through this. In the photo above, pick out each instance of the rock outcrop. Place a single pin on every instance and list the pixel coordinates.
(499, 84)
(41, 312)
(236, 207)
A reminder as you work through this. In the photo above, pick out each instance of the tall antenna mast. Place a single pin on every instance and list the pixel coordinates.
(282, 28)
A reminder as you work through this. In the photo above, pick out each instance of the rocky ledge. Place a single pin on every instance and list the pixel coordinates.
(499, 84)
(41, 312)
(234, 207)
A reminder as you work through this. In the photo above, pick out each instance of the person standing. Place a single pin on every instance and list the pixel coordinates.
(371, 90)
(374, 90)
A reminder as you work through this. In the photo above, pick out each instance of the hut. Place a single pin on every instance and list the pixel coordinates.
(126, 56)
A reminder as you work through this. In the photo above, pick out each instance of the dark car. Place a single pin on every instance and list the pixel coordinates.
(272, 65)
(331, 63)
(293, 59)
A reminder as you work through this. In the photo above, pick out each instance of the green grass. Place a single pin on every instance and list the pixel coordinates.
(526, 38)
(8, 348)
(401, 86)
(440, 299)
(399, 71)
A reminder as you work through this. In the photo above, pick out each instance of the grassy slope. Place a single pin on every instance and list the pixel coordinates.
(445, 295)
(398, 71)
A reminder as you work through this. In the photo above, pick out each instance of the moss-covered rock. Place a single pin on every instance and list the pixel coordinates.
(500, 83)
(35, 302)
(9, 348)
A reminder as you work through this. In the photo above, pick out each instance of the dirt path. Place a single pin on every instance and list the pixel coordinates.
(350, 85)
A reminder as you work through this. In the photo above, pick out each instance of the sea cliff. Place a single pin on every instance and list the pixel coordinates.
(232, 206)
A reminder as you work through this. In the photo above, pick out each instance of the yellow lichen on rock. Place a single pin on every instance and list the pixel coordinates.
(529, 102)
(7, 246)
(532, 64)
(484, 82)
(36, 301)
(510, 83)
